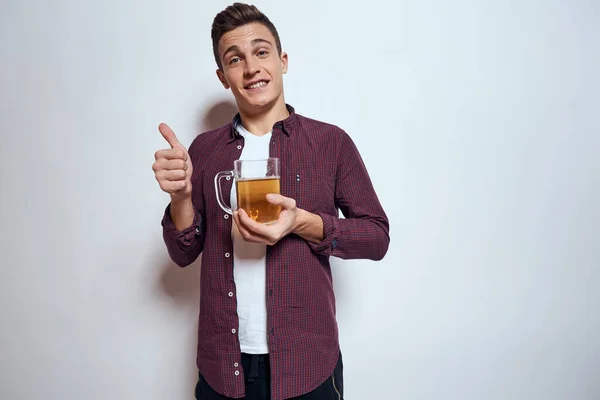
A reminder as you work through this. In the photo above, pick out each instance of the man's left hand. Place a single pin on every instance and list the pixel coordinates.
(269, 234)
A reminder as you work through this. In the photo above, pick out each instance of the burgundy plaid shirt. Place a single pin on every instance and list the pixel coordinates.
(322, 170)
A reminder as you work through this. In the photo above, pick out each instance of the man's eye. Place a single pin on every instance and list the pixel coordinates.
(262, 53)
(234, 60)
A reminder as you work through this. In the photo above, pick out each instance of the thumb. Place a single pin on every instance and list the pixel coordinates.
(280, 200)
(169, 136)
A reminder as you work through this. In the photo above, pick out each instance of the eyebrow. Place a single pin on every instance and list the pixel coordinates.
(254, 42)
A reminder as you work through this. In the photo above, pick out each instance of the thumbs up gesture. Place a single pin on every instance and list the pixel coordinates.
(173, 167)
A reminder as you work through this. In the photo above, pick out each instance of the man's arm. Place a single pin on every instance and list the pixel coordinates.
(183, 228)
(364, 232)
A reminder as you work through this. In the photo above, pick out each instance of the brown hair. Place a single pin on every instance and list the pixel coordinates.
(234, 16)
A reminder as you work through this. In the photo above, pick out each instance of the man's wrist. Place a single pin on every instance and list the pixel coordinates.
(300, 222)
(308, 226)
(181, 200)
(182, 211)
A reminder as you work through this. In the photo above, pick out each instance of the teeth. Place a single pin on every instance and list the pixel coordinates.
(257, 85)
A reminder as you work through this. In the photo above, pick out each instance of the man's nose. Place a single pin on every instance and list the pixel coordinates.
(252, 67)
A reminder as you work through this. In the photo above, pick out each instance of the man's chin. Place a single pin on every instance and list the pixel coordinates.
(257, 104)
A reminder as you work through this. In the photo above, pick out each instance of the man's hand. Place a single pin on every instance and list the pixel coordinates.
(173, 167)
(173, 171)
(270, 234)
(291, 220)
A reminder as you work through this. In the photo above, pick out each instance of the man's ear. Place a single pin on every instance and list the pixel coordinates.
(221, 77)
(284, 62)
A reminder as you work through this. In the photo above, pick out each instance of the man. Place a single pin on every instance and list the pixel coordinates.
(267, 327)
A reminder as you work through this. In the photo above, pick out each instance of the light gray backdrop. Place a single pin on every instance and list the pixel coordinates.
(478, 122)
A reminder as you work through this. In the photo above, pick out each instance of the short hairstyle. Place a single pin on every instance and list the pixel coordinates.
(234, 16)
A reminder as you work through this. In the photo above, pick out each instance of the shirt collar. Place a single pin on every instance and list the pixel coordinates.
(287, 125)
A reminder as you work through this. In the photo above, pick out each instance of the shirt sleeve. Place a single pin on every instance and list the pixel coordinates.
(185, 246)
(364, 232)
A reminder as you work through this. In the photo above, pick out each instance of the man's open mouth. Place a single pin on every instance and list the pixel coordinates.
(257, 85)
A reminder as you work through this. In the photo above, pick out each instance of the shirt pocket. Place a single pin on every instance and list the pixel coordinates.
(315, 189)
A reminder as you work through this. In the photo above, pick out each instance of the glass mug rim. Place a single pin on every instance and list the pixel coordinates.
(237, 173)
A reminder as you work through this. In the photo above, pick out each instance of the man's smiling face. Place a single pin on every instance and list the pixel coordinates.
(252, 66)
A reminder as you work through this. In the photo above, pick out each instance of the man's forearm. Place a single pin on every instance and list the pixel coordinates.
(309, 226)
(182, 212)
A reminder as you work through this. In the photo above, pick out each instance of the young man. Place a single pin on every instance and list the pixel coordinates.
(267, 327)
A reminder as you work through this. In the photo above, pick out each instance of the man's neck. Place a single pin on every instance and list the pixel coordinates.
(261, 122)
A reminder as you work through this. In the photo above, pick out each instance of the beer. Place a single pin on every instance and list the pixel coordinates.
(252, 197)
(254, 179)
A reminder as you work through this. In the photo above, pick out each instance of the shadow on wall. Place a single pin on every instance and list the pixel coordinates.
(177, 283)
(217, 115)
(182, 285)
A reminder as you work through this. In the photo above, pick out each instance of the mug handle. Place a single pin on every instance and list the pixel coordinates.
(220, 200)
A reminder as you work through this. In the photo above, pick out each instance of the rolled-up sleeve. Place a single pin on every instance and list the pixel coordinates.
(186, 245)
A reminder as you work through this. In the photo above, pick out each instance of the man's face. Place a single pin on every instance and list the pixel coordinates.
(252, 68)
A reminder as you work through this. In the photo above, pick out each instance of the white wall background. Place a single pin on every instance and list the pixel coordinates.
(477, 120)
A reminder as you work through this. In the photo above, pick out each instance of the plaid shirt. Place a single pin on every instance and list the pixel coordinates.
(322, 170)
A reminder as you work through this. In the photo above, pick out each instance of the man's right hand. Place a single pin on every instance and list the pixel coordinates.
(173, 167)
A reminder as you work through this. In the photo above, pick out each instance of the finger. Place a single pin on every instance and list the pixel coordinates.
(169, 136)
(170, 165)
(279, 200)
(246, 233)
(176, 175)
(254, 227)
(241, 226)
(171, 154)
(248, 237)
(173, 186)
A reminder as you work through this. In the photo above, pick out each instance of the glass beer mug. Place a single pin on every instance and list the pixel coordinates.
(253, 180)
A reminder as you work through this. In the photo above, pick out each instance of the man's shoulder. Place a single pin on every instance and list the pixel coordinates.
(315, 127)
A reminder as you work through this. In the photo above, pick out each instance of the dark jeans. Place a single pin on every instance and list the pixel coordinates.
(258, 382)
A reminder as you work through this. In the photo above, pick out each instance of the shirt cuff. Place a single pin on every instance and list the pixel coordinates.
(330, 235)
(186, 237)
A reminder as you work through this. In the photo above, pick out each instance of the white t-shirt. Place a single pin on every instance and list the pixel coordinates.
(249, 265)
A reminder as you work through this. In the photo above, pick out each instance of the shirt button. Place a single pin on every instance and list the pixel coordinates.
(233, 331)
(236, 365)
(239, 146)
(237, 373)
(227, 255)
(227, 178)
(226, 216)
(230, 294)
